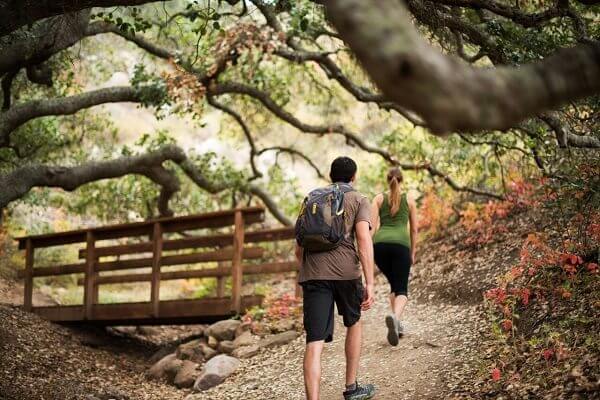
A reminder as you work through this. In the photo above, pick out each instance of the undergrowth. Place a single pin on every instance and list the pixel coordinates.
(544, 313)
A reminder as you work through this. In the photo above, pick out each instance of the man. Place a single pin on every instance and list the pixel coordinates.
(334, 276)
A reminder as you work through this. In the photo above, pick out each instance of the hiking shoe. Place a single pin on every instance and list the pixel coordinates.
(392, 324)
(361, 392)
(401, 329)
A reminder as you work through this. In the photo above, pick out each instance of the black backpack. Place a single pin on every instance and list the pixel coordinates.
(320, 225)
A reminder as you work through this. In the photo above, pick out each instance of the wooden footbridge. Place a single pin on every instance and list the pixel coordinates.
(149, 247)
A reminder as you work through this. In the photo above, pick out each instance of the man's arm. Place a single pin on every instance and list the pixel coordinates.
(365, 254)
(298, 251)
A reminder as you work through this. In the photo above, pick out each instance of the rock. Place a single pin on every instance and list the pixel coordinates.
(122, 330)
(111, 393)
(246, 351)
(165, 369)
(226, 346)
(191, 351)
(283, 325)
(147, 331)
(223, 330)
(161, 353)
(187, 375)
(245, 339)
(215, 371)
(243, 327)
(212, 342)
(207, 351)
(278, 340)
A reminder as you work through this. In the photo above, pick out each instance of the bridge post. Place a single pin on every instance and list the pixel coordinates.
(28, 290)
(157, 245)
(236, 262)
(90, 275)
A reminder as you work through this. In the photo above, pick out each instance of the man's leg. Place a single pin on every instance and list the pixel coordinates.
(312, 368)
(353, 343)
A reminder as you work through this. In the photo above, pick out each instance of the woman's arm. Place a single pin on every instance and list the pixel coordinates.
(375, 205)
(414, 230)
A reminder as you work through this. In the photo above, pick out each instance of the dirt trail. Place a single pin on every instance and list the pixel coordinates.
(439, 336)
(417, 366)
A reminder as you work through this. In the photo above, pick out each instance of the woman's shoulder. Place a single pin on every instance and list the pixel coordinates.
(379, 198)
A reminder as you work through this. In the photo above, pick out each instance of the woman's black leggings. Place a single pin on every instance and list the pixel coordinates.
(394, 261)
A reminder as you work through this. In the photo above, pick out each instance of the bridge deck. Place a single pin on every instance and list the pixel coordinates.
(170, 312)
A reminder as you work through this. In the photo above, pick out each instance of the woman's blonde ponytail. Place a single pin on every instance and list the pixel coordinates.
(394, 179)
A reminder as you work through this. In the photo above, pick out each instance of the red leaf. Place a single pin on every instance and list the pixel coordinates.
(573, 258)
(547, 354)
(495, 374)
(507, 325)
(525, 293)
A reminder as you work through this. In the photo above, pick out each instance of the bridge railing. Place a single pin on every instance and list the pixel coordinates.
(224, 248)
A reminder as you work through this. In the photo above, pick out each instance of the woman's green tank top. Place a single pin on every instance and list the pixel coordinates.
(393, 229)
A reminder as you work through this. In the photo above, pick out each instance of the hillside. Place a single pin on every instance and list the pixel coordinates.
(446, 353)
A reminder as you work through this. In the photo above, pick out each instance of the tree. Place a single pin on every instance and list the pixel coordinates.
(514, 61)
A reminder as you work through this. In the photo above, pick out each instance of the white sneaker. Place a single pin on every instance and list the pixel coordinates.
(401, 329)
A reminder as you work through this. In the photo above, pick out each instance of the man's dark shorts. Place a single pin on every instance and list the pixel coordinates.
(319, 296)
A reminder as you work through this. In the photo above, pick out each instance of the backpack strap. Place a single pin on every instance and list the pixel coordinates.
(345, 187)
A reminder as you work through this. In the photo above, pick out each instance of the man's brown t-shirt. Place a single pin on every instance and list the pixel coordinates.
(341, 263)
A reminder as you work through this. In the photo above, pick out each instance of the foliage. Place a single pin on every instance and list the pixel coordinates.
(151, 89)
(434, 214)
(275, 309)
(544, 310)
(482, 221)
(545, 318)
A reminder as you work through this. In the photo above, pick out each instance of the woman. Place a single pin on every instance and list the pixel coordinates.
(394, 248)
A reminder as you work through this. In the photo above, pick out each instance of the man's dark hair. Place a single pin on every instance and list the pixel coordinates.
(342, 169)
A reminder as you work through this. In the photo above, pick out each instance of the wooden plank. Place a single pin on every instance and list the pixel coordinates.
(56, 270)
(170, 224)
(157, 238)
(219, 272)
(270, 235)
(89, 277)
(250, 253)
(221, 240)
(28, 289)
(236, 262)
(172, 311)
(208, 256)
(96, 289)
(221, 286)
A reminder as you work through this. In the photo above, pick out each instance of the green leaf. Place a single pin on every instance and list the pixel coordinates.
(303, 24)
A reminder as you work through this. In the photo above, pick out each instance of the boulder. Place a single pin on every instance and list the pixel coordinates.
(122, 330)
(207, 351)
(243, 327)
(187, 375)
(160, 353)
(191, 351)
(278, 339)
(165, 369)
(223, 330)
(212, 342)
(215, 371)
(147, 330)
(245, 339)
(246, 351)
(226, 346)
(283, 325)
